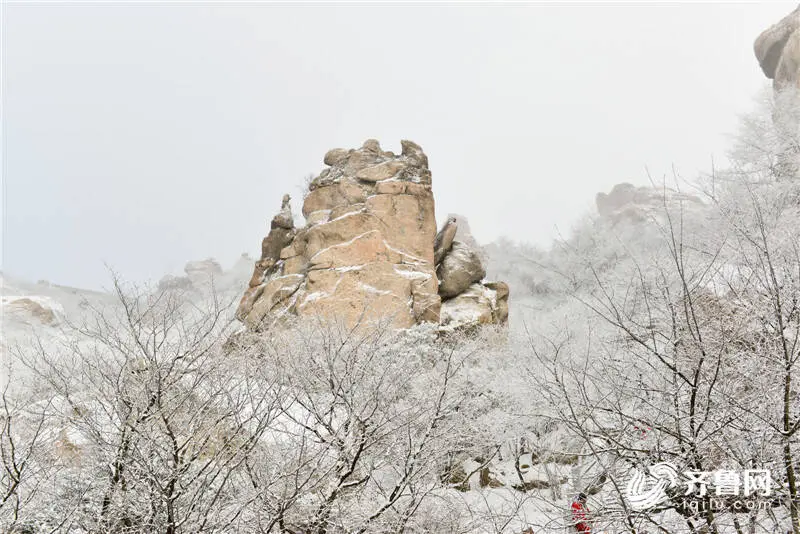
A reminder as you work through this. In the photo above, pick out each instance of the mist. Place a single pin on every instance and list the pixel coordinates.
(143, 136)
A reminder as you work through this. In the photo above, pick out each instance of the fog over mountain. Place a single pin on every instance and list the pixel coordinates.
(145, 136)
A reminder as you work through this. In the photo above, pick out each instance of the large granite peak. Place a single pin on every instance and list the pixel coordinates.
(366, 251)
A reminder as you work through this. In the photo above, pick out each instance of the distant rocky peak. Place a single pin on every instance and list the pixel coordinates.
(628, 202)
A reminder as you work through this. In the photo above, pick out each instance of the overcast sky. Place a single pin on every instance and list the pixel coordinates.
(145, 136)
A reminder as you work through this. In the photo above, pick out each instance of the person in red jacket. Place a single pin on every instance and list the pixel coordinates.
(580, 514)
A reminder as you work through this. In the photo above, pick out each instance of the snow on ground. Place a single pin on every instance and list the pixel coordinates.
(40, 311)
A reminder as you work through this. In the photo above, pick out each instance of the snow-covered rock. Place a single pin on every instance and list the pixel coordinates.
(460, 268)
(32, 309)
(778, 51)
(367, 248)
(479, 305)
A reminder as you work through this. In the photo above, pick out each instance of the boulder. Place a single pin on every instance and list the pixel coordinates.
(464, 234)
(500, 300)
(459, 269)
(500, 288)
(284, 217)
(778, 51)
(381, 171)
(28, 309)
(371, 146)
(336, 156)
(368, 155)
(471, 308)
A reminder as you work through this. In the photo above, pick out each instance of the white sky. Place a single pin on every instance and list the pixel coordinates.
(145, 136)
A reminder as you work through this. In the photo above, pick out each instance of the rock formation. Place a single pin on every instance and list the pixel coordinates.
(203, 272)
(627, 202)
(199, 275)
(464, 234)
(778, 51)
(480, 304)
(459, 269)
(207, 278)
(444, 240)
(369, 249)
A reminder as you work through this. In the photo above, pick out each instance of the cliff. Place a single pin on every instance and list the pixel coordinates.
(369, 250)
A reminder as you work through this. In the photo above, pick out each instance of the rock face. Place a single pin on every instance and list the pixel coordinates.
(367, 248)
(778, 51)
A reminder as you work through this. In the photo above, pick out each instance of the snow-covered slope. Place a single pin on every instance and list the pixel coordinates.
(42, 311)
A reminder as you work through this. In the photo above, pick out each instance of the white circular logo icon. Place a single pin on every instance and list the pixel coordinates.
(648, 490)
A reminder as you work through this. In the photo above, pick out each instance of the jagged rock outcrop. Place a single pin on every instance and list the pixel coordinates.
(369, 248)
(778, 51)
(366, 249)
